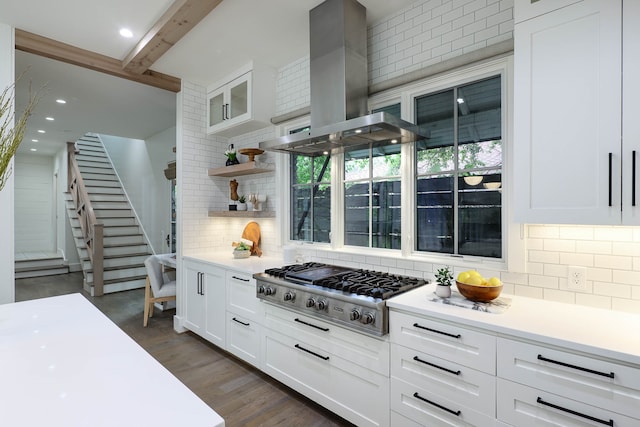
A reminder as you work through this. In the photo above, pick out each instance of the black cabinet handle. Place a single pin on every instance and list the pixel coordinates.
(239, 278)
(451, 371)
(241, 322)
(312, 325)
(633, 178)
(444, 408)
(580, 368)
(610, 179)
(571, 411)
(437, 331)
(227, 114)
(200, 287)
(224, 107)
(299, 347)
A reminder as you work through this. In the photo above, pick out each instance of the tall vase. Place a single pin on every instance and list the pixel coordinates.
(233, 161)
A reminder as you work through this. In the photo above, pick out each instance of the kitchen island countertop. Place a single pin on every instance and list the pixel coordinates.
(607, 333)
(64, 363)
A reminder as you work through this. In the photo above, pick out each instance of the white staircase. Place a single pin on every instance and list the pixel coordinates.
(125, 246)
(38, 266)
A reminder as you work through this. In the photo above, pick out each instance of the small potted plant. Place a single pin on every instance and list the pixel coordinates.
(443, 282)
(242, 203)
(230, 152)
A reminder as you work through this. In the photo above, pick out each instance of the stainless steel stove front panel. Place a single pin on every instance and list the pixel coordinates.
(355, 312)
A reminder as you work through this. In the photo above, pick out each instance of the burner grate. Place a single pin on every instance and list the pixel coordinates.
(282, 271)
(372, 283)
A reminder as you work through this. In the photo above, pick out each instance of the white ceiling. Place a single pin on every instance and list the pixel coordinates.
(274, 32)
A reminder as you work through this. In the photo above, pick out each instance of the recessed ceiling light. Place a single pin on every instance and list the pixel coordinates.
(394, 141)
(33, 149)
(50, 118)
(41, 131)
(61, 101)
(34, 140)
(125, 32)
(460, 101)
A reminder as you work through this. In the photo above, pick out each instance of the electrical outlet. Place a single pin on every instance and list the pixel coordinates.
(577, 278)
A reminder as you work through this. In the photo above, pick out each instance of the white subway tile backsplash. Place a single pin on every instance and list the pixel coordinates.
(613, 262)
(584, 260)
(612, 289)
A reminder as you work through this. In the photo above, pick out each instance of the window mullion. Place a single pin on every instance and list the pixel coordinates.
(456, 158)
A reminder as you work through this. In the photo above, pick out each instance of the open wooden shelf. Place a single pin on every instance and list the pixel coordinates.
(242, 214)
(248, 168)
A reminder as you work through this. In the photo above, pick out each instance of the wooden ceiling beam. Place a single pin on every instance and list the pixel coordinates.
(177, 21)
(49, 48)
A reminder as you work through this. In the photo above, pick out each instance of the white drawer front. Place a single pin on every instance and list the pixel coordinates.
(430, 409)
(363, 350)
(243, 338)
(524, 406)
(399, 420)
(566, 375)
(454, 382)
(351, 391)
(444, 340)
(241, 295)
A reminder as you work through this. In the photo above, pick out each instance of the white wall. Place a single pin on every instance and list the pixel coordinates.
(7, 286)
(140, 165)
(35, 226)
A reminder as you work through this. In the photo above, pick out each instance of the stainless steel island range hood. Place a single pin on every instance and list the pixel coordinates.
(339, 88)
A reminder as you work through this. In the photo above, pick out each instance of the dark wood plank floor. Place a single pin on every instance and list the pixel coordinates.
(241, 394)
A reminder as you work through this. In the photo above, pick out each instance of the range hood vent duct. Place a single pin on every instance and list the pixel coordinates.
(339, 88)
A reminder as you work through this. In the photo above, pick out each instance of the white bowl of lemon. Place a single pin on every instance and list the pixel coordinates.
(474, 287)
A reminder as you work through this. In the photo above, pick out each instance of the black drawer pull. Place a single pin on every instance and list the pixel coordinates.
(241, 322)
(299, 347)
(239, 278)
(451, 371)
(444, 408)
(570, 411)
(610, 178)
(580, 368)
(633, 178)
(313, 326)
(436, 331)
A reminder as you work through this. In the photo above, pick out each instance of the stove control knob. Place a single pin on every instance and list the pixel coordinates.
(321, 305)
(310, 302)
(289, 296)
(367, 318)
(355, 314)
(269, 291)
(261, 289)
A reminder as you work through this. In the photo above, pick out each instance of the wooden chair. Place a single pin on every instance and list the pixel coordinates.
(157, 288)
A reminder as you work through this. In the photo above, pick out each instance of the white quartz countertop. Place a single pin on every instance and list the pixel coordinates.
(253, 264)
(607, 333)
(63, 363)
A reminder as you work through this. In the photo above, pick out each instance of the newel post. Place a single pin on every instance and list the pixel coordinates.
(98, 260)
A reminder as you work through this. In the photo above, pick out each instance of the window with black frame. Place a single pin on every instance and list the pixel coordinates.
(372, 197)
(459, 170)
(310, 197)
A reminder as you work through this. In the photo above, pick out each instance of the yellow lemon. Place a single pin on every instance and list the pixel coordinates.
(494, 281)
(474, 280)
(463, 277)
(474, 273)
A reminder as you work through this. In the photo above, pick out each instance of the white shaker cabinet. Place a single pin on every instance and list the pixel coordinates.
(245, 315)
(242, 102)
(205, 312)
(442, 374)
(568, 152)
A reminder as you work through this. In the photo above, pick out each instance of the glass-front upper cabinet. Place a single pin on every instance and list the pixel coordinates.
(243, 103)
